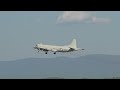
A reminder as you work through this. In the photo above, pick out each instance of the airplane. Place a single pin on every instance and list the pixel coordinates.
(68, 48)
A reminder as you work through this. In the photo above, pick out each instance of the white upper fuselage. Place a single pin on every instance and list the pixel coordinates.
(54, 48)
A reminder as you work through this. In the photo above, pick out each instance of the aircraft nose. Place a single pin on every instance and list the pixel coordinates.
(35, 47)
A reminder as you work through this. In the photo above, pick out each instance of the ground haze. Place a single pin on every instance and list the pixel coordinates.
(89, 66)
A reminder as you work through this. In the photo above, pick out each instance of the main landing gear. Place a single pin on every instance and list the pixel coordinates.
(54, 52)
(47, 52)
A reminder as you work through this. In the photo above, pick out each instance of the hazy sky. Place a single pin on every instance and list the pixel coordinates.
(98, 32)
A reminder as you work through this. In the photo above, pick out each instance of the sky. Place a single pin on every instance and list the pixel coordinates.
(96, 31)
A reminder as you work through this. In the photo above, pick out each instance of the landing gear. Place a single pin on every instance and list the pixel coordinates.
(54, 52)
(45, 52)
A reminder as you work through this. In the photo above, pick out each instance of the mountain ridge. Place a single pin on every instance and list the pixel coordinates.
(63, 57)
(89, 66)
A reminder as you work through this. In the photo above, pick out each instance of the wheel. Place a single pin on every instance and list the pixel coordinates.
(46, 53)
(54, 52)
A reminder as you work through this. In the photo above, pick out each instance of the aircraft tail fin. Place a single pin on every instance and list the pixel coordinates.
(73, 44)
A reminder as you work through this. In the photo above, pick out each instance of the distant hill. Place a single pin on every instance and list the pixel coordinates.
(53, 78)
(89, 66)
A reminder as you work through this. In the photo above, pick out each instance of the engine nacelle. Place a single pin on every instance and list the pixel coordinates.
(41, 49)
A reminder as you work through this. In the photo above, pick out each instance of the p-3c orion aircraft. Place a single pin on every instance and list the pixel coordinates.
(68, 48)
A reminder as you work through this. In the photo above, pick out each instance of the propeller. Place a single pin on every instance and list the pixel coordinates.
(35, 47)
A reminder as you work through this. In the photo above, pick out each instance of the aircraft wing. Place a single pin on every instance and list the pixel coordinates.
(49, 49)
(54, 50)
